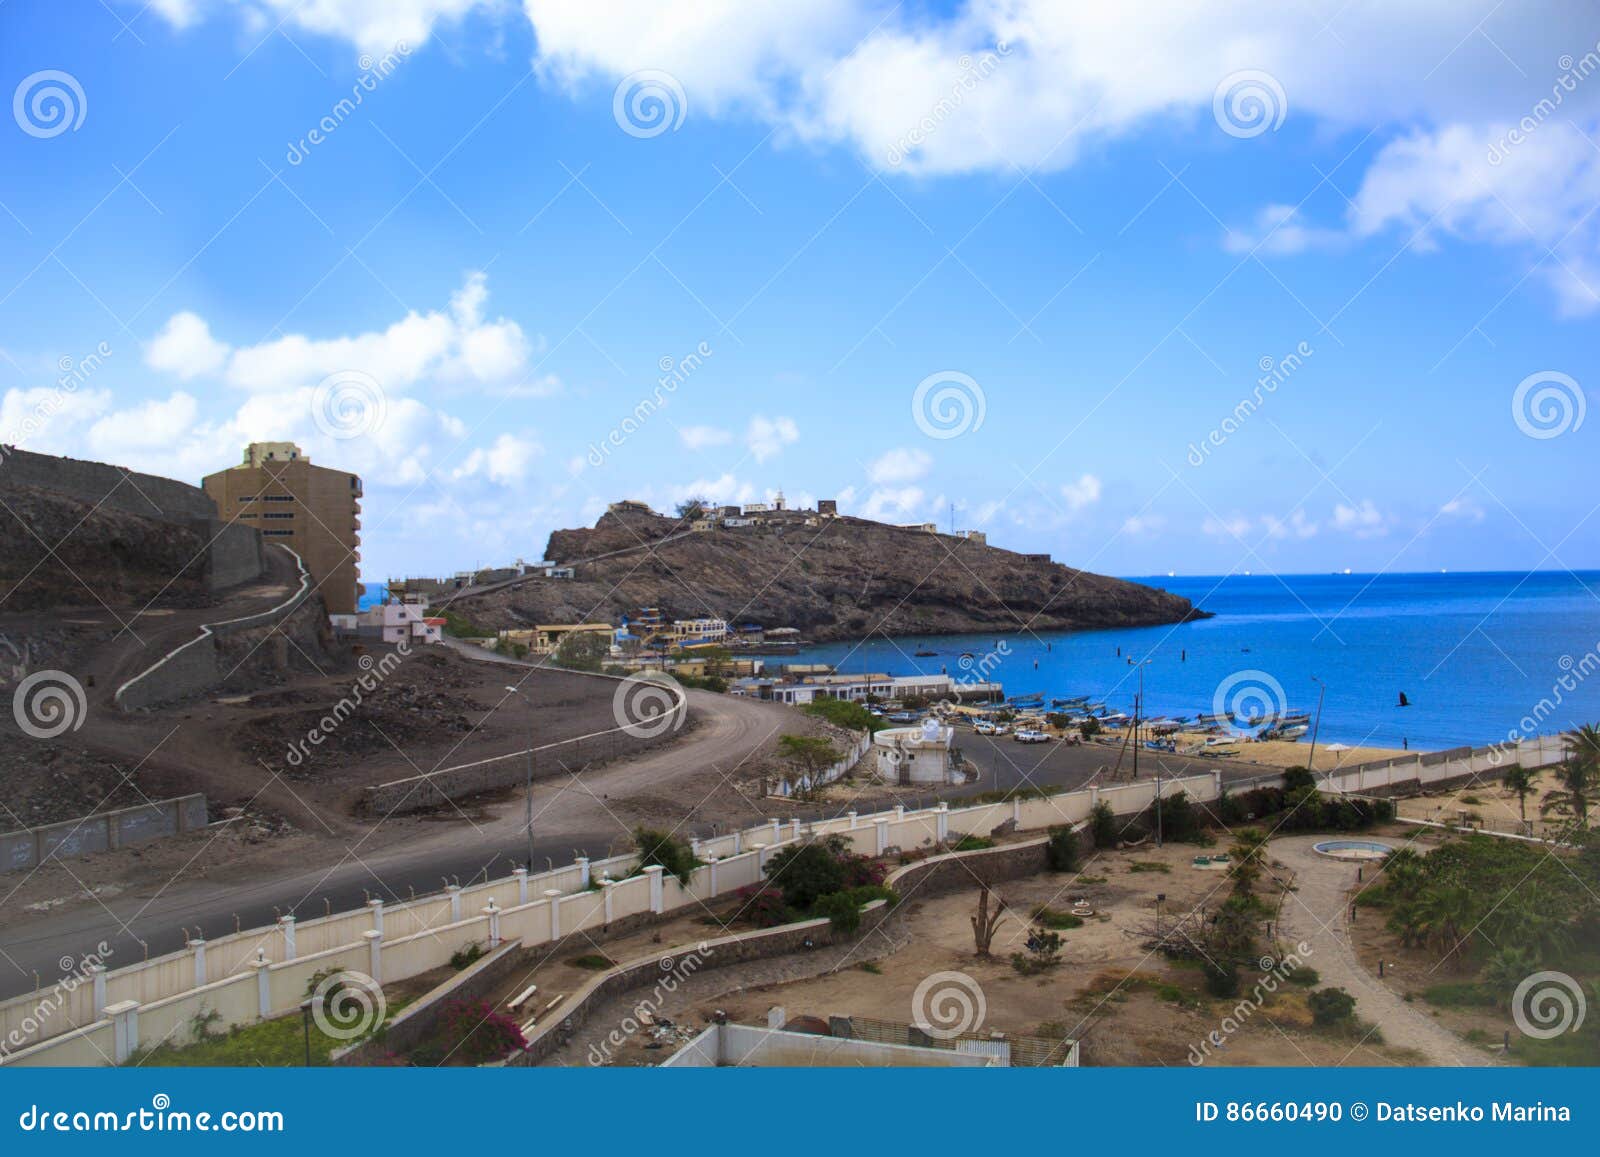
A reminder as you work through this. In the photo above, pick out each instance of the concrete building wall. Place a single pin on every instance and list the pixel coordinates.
(313, 510)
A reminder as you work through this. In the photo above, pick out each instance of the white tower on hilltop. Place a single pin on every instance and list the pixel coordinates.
(777, 503)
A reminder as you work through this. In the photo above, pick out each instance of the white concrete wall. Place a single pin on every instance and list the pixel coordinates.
(423, 934)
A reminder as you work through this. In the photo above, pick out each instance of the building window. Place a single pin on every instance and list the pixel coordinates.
(278, 514)
(243, 498)
(277, 497)
(277, 534)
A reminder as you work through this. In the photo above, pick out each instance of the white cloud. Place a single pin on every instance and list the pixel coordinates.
(1280, 230)
(898, 466)
(768, 436)
(893, 504)
(1009, 85)
(1363, 520)
(1140, 525)
(702, 437)
(185, 347)
(1297, 525)
(1082, 493)
(455, 345)
(1463, 508)
(1464, 181)
(1234, 526)
(44, 419)
(152, 425)
(505, 462)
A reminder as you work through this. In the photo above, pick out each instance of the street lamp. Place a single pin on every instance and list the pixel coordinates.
(1138, 704)
(517, 691)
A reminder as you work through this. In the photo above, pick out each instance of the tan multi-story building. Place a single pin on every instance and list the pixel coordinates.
(313, 510)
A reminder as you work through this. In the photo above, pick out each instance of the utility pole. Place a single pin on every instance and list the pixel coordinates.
(1316, 726)
(529, 702)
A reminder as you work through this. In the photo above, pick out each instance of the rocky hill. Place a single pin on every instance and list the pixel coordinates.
(843, 579)
(58, 550)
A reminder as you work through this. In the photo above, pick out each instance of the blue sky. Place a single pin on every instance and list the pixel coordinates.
(467, 286)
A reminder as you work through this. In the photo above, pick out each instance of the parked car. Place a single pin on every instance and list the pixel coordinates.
(984, 727)
(1028, 735)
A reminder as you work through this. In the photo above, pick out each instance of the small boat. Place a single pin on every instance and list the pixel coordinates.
(1070, 701)
(1036, 700)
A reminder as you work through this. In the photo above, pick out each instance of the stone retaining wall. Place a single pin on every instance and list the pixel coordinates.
(234, 553)
(420, 1019)
(105, 831)
(195, 667)
(709, 955)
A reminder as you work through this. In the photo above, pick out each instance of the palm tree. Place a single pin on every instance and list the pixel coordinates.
(1447, 913)
(1249, 854)
(1519, 779)
(1578, 776)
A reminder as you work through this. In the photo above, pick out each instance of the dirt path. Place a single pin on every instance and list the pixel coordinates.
(1318, 912)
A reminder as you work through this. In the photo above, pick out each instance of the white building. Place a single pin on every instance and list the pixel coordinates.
(915, 755)
(698, 630)
(394, 622)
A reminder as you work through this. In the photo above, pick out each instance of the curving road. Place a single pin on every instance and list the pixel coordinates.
(572, 816)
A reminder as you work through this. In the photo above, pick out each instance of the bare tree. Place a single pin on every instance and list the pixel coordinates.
(984, 922)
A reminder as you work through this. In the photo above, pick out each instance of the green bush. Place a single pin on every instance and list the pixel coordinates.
(1103, 826)
(1061, 850)
(1222, 978)
(671, 853)
(1331, 1007)
(845, 713)
(841, 910)
(806, 872)
(972, 844)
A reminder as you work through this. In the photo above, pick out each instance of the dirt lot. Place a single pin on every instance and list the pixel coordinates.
(1128, 1005)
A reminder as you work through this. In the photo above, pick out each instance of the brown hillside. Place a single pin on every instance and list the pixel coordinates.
(844, 579)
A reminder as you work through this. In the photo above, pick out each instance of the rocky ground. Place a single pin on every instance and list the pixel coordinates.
(847, 578)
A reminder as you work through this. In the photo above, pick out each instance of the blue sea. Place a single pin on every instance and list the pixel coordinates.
(1473, 653)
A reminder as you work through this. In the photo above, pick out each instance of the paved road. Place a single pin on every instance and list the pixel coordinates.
(572, 817)
(1318, 912)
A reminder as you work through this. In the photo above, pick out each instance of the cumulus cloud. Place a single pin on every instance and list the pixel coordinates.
(185, 347)
(456, 345)
(1233, 526)
(893, 503)
(767, 437)
(1363, 520)
(899, 466)
(1009, 85)
(1083, 493)
(504, 462)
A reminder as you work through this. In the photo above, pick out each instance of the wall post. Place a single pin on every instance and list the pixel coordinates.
(199, 947)
(286, 924)
(882, 827)
(942, 814)
(374, 954)
(454, 891)
(777, 832)
(656, 898)
(493, 913)
(554, 896)
(522, 884)
(605, 890)
(124, 1029)
(263, 985)
(376, 908)
(98, 971)
(583, 872)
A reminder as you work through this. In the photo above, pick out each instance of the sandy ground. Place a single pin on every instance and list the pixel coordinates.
(1128, 1005)
(1285, 753)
